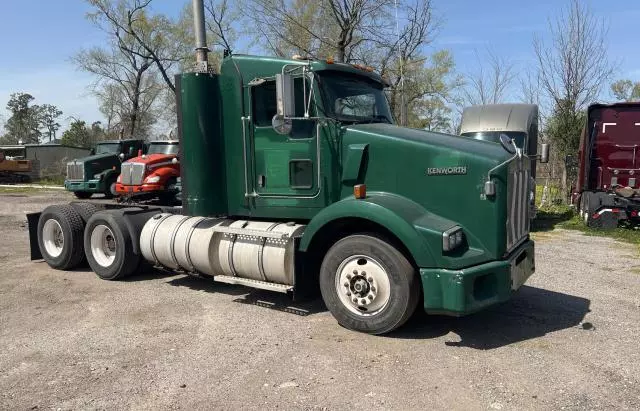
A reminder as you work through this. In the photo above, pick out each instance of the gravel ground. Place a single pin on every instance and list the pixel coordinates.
(567, 340)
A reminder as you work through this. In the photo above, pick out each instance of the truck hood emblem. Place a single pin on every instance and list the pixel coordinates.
(447, 171)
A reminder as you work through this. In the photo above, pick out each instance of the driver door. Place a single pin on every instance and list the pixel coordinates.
(284, 166)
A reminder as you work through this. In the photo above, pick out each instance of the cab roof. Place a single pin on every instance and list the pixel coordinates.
(260, 66)
(498, 117)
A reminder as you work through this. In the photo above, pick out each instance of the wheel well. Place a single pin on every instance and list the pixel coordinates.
(330, 233)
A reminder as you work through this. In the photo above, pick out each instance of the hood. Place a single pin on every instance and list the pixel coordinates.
(443, 173)
(445, 144)
(98, 163)
(153, 159)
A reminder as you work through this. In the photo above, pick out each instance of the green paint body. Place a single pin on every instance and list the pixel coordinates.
(244, 171)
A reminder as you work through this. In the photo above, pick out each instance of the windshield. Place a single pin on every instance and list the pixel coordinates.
(353, 98)
(494, 136)
(108, 148)
(163, 148)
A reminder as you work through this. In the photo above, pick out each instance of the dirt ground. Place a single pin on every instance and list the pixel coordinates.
(567, 340)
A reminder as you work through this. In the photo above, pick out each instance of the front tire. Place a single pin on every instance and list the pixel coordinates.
(368, 284)
(60, 230)
(109, 246)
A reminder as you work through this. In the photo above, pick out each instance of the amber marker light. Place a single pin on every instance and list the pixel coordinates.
(360, 191)
(330, 60)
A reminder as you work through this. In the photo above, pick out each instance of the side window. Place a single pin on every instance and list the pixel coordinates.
(265, 107)
(264, 103)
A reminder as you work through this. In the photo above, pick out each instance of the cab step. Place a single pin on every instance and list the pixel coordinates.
(263, 285)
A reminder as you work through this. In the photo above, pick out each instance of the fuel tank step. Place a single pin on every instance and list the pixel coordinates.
(263, 285)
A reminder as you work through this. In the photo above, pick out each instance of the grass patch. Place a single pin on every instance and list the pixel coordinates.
(51, 181)
(629, 235)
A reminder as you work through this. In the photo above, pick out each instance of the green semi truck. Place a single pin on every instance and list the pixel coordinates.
(98, 172)
(296, 180)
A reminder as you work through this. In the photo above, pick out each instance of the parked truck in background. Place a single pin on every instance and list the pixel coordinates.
(607, 191)
(98, 172)
(154, 174)
(291, 183)
(14, 170)
(517, 121)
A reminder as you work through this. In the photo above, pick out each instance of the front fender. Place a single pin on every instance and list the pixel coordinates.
(419, 230)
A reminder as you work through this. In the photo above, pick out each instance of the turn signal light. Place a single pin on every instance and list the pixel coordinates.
(330, 60)
(359, 191)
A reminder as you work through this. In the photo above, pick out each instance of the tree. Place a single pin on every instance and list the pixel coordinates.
(48, 118)
(322, 28)
(574, 67)
(24, 123)
(123, 69)
(491, 82)
(81, 135)
(626, 90)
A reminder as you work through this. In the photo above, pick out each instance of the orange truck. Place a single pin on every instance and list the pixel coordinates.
(151, 175)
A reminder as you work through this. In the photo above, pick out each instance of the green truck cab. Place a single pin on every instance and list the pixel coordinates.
(98, 172)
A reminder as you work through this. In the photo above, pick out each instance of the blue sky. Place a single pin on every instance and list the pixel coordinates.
(39, 36)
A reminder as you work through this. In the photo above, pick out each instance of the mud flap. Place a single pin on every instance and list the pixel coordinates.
(32, 220)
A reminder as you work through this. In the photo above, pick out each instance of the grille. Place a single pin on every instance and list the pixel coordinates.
(75, 171)
(518, 206)
(132, 174)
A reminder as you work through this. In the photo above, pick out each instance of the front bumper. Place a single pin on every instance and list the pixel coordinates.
(139, 189)
(89, 186)
(461, 292)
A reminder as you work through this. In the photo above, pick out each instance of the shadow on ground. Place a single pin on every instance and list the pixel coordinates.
(531, 313)
(547, 221)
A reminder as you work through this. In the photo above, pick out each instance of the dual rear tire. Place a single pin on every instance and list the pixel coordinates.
(70, 234)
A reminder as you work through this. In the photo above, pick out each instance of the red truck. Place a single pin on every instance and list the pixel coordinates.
(151, 175)
(607, 191)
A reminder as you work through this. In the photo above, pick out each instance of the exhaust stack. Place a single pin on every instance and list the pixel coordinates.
(202, 63)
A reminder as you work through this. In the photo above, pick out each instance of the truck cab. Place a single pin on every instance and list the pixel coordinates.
(98, 172)
(488, 122)
(154, 174)
(607, 192)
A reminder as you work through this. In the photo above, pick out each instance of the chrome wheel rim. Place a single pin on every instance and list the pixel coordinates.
(363, 285)
(52, 238)
(103, 245)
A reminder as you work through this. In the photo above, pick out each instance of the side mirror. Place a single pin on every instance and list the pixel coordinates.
(121, 156)
(285, 96)
(508, 144)
(281, 125)
(544, 155)
(92, 151)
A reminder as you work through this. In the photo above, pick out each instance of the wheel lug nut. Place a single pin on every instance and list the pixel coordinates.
(364, 273)
(373, 288)
(370, 297)
(370, 279)
(363, 301)
(348, 293)
(355, 300)
(355, 272)
(348, 276)
(346, 284)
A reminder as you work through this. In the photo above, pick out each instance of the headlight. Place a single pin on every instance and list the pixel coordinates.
(152, 179)
(119, 179)
(452, 238)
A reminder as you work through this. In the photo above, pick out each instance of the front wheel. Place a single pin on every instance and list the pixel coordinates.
(368, 284)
